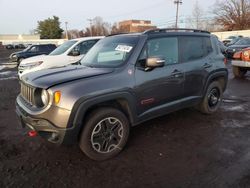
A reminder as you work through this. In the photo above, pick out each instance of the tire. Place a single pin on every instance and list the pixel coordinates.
(98, 141)
(239, 72)
(212, 99)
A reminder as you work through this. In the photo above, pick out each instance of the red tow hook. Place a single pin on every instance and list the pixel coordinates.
(32, 133)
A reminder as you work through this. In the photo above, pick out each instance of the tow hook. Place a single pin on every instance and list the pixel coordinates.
(32, 133)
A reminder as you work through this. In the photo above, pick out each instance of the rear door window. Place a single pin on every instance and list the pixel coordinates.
(194, 48)
(43, 48)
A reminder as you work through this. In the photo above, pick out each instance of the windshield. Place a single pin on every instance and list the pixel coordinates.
(231, 37)
(110, 52)
(234, 40)
(63, 48)
(245, 41)
(26, 49)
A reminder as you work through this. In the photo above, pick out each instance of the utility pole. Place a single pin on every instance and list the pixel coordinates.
(66, 26)
(90, 23)
(177, 2)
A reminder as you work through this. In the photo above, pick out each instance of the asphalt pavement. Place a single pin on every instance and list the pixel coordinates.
(181, 149)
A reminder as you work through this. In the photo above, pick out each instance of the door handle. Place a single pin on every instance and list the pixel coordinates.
(207, 65)
(176, 74)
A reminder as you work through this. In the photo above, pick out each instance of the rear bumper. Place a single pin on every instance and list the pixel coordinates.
(241, 63)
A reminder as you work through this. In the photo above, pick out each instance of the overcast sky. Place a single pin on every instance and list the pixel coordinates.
(21, 16)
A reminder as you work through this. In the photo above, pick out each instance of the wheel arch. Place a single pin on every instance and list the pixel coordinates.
(123, 101)
(220, 76)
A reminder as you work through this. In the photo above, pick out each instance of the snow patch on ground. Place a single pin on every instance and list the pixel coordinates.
(229, 101)
(9, 78)
(233, 124)
(6, 73)
(238, 108)
(2, 67)
(227, 151)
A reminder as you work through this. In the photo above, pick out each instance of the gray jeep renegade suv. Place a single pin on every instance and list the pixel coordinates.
(124, 80)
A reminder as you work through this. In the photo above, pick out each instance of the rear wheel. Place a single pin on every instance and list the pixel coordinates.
(105, 134)
(239, 72)
(212, 98)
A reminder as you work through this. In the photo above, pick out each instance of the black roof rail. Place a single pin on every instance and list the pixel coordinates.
(150, 31)
(121, 33)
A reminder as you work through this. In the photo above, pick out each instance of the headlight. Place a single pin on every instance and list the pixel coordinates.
(45, 97)
(31, 65)
(13, 56)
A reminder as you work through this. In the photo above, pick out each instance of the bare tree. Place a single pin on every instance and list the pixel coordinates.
(197, 19)
(233, 14)
(115, 29)
(197, 15)
(98, 28)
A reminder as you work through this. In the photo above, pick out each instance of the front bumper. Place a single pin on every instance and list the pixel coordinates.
(241, 63)
(43, 127)
(52, 124)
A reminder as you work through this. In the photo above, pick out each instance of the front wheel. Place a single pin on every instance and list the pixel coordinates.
(212, 99)
(105, 134)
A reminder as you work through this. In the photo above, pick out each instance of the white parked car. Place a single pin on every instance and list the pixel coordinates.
(68, 53)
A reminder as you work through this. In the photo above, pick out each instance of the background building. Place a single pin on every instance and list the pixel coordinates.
(136, 25)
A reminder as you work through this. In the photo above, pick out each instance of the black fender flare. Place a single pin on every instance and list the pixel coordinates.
(218, 74)
(80, 108)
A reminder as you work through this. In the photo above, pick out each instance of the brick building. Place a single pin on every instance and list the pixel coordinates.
(135, 25)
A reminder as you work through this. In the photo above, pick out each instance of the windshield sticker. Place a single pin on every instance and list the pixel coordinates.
(124, 48)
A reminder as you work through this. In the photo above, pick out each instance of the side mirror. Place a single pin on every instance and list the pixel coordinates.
(153, 62)
(74, 53)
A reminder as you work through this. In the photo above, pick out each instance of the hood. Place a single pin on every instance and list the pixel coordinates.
(33, 59)
(50, 77)
(19, 52)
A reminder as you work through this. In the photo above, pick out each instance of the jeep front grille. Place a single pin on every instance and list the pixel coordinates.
(28, 93)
